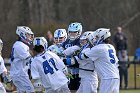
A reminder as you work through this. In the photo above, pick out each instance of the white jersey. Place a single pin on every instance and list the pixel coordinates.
(19, 58)
(105, 60)
(49, 68)
(2, 66)
(56, 49)
(87, 68)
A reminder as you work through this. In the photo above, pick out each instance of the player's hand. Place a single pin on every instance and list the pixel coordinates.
(69, 76)
(69, 61)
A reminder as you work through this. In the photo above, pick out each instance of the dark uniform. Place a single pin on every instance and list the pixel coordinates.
(74, 70)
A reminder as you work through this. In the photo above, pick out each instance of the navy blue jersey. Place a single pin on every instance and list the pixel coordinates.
(74, 70)
(69, 43)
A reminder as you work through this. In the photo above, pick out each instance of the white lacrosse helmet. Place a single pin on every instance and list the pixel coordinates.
(60, 35)
(74, 28)
(85, 35)
(40, 41)
(22, 32)
(102, 34)
(92, 38)
(1, 45)
(84, 38)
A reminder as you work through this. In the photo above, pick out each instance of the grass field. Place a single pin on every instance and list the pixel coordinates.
(131, 83)
(129, 91)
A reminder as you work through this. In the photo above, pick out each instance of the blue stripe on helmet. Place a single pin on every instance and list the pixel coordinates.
(37, 42)
(59, 33)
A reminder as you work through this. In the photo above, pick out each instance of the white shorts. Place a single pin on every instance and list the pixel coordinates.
(23, 84)
(63, 89)
(88, 86)
(109, 86)
(2, 89)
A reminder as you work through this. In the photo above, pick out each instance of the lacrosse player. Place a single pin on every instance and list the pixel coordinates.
(87, 73)
(49, 68)
(105, 61)
(20, 58)
(3, 69)
(89, 80)
(70, 45)
(60, 35)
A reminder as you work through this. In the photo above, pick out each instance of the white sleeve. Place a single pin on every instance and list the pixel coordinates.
(51, 48)
(34, 70)
(71, 50)
(23, 52)
(93, 53)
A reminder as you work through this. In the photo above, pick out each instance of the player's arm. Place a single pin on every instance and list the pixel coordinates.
(93, 54)
(2, 67)
(35, 76)
(22, 52)
(4, 72)
(71, 50)
(51, 48)
(25, 55)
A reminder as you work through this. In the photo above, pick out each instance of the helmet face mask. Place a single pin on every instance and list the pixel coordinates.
(60, 35)
(73, 35)
(84, 38)
(83, 42)
(59, 40)
(25, 34)
(74, 30)
(92, 38)
(29, 37)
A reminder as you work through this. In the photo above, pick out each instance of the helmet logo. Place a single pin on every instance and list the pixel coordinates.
(59, 33)
(37, 42)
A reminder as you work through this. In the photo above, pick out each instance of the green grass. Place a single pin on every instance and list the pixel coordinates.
(129, 91)
(131, 76)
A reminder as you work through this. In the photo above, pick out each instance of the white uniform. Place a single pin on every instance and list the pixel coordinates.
(20, 56)
(49, 68)
(88, 75)
(2, 69)
(106, 65)
(56, 49)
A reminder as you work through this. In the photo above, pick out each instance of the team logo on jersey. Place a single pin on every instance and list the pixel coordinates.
(68, 45)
